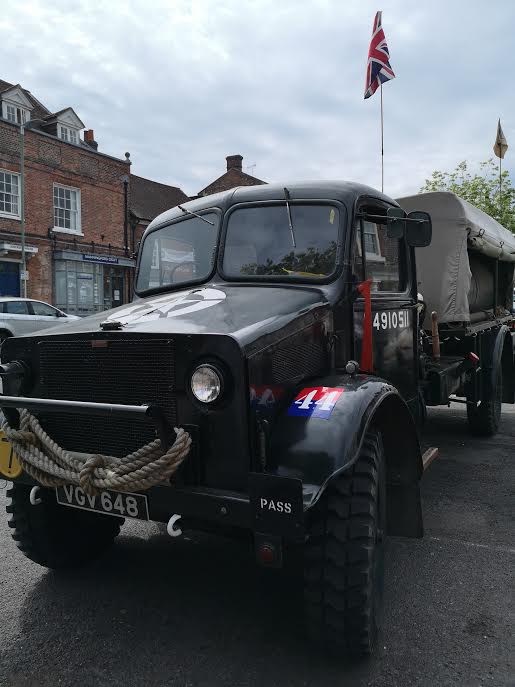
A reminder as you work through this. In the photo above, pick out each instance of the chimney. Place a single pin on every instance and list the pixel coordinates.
(234, 162)
(89, 138)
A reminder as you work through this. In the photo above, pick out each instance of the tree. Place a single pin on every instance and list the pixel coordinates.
(480, 189)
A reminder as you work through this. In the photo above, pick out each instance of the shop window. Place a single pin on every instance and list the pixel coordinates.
(9, 194)
(67, 209)
(79, 287)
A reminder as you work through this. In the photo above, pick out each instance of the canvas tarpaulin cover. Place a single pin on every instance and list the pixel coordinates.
(443, 268)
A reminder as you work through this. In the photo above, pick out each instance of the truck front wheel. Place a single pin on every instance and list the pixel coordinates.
(56, 536)
(344, 556)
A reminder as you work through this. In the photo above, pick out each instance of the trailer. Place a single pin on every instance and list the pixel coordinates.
(270, 379)
(465, 278)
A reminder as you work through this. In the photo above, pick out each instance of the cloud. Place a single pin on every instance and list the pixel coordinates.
(182, 84)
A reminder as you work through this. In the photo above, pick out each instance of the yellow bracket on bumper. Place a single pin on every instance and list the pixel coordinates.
(10, 466)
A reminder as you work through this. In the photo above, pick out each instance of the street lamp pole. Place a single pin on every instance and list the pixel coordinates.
(23, 273)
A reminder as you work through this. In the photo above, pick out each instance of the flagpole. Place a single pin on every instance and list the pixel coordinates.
(382, 143)
(500, 189)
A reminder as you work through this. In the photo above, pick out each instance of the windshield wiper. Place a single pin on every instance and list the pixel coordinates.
(288, 210)
(195, 214)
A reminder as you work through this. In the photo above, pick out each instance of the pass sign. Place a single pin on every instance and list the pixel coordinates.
(318, 401)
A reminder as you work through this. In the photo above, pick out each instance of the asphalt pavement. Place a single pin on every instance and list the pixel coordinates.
(193, 611)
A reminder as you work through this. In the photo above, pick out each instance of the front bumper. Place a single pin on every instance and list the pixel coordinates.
(272, 505)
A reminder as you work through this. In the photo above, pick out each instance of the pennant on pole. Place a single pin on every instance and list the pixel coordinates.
(378, 67)
(501, 144)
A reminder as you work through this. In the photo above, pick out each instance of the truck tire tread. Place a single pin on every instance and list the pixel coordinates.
(55, 536)
(339, 557)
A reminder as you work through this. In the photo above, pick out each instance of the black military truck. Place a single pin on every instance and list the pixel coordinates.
(269, 378)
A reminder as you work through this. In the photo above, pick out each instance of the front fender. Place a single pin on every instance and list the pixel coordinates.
(316, 449)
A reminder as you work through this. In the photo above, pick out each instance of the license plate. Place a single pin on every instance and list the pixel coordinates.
(117, 503)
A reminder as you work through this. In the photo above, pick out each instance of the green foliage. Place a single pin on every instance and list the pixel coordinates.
(481, 189)
(311, 262)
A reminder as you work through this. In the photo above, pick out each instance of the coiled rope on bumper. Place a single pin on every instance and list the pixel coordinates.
(52, 466)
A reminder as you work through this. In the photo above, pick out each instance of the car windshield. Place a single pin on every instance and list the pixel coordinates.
(297, 241)
(181, 252)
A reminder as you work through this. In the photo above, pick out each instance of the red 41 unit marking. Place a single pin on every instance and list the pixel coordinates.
(317, 401)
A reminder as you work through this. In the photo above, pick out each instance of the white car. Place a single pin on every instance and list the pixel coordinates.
(24, 315)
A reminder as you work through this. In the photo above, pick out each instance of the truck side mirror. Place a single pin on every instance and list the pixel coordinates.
(419, 230)
(395, 224)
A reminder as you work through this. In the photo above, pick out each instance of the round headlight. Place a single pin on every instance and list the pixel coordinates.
(206, 383)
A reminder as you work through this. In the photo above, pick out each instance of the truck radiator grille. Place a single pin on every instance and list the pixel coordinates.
(298, 359)
(128, 371)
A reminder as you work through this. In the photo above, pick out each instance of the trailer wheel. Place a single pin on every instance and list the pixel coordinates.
(55, 536)
(344, 557)
(484, 419)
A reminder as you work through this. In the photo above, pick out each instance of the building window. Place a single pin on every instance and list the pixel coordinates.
(9, 194)
(67, 209)
(370, 238)
(67, 134)
(15, 114)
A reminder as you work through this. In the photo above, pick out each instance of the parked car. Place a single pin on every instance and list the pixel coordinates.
(23, 315)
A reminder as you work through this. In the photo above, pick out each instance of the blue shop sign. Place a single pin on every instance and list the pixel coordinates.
(106, 259)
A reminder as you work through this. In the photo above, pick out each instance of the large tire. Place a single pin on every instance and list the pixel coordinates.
(56, 536)
(484, 419)
(344, 557)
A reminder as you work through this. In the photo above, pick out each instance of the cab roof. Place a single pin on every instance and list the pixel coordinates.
(346, 192)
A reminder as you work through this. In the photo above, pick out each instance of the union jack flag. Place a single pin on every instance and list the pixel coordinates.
(378, 66)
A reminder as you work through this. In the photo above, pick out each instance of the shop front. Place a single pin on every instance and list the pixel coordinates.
(86, 283)
(10, 266)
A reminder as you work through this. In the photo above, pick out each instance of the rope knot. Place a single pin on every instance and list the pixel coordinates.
(87, 473)
(51, 465)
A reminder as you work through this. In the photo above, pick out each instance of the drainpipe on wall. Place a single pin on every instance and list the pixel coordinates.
(125, 180)
(23, 273)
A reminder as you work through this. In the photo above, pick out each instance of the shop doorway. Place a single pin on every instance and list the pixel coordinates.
(9, 278)
(113, 287)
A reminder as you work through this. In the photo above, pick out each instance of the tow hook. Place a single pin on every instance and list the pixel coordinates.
(33, 497)
(171, 528)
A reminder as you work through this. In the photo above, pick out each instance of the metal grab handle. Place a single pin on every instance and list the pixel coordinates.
(172, 530)
(33, 497)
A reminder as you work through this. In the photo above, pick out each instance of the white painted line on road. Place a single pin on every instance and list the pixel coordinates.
(475, 545)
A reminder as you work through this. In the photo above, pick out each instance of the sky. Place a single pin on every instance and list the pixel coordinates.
(184, 83)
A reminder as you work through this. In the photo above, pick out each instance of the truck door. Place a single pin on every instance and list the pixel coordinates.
(383, 266)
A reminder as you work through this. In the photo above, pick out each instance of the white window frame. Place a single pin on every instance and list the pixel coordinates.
(67, 132)
(21, 114)
(64, 230)
(10, 215)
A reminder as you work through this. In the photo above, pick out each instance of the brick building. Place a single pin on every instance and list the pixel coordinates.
(148, 199)
(76, 209)
(84, 211)
(234, 176)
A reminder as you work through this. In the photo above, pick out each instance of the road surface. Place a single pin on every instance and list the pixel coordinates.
(158, 612)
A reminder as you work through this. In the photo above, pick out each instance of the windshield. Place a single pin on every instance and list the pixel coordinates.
(182, 252)
(272, 241)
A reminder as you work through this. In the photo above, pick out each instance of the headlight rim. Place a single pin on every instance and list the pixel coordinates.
(220, 375)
